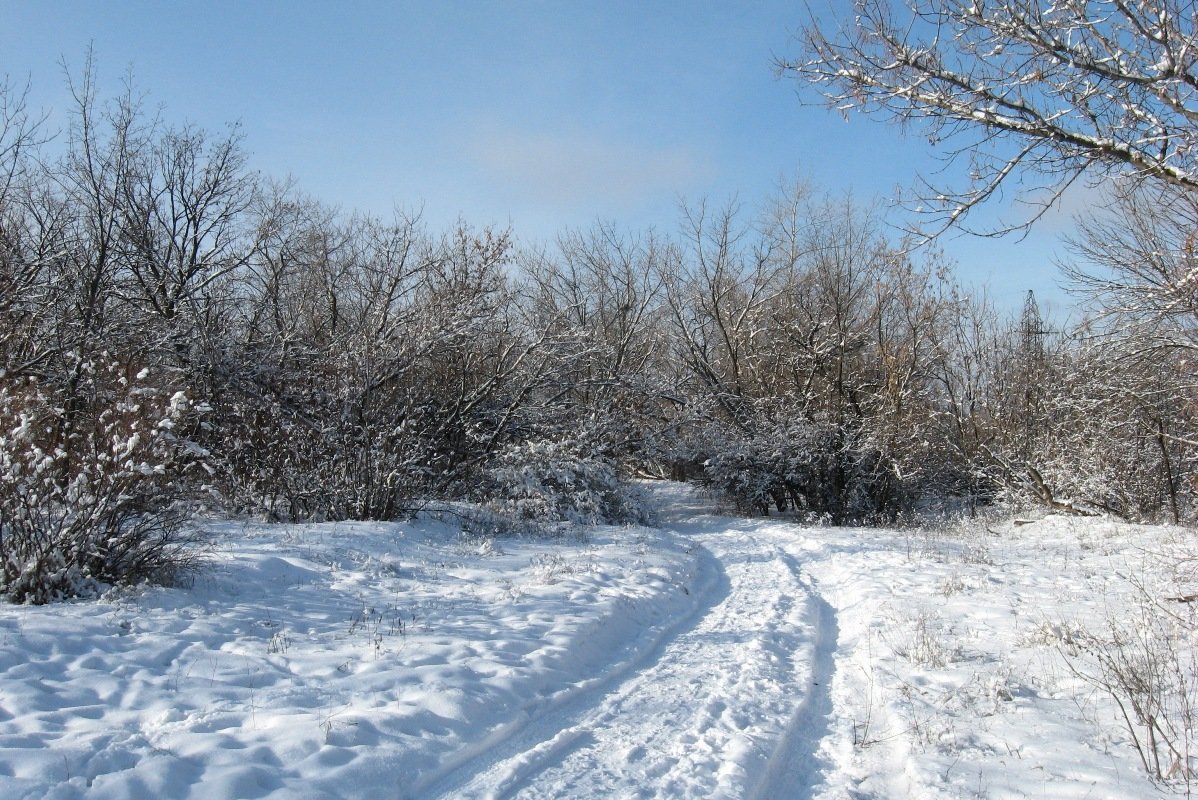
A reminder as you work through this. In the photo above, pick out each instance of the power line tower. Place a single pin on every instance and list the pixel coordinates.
(1034, 374)
(1031, 326)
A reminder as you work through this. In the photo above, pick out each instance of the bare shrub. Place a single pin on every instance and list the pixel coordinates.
(924, 642)
(1147, 665)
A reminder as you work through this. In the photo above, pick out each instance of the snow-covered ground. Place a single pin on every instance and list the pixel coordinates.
(709, 657)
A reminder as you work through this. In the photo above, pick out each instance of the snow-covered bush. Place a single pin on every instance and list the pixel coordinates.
(816, 467)
(293, 462)
(95, 480)
(786, 466)
(1109, 432)
(543, 482)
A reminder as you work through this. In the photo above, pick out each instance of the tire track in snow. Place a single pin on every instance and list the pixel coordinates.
(795, 767)
(712, 711)
(541, 733)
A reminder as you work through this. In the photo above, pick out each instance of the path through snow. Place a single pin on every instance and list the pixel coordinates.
(733, 705)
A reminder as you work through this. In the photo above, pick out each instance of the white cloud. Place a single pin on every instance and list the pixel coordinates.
(580, 169)
(1080, 198)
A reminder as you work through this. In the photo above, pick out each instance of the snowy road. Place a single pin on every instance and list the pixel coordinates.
(732, 703)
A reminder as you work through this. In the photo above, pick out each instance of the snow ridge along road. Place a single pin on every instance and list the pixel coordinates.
(732, 702)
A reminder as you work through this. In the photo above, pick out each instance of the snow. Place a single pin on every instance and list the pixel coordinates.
(952, 659)
(709, 657)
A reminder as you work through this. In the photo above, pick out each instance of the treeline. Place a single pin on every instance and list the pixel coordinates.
(175, 329)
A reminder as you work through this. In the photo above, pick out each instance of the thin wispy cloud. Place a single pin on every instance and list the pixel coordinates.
(583, 169)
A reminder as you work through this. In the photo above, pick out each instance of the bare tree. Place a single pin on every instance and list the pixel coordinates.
(716, 299)
(605, 288)
(812, 344)
(20, 135)
(600, 297)
(1139, 264)
(23, 254)
(183, 234)
(1027, 94)
(110, 504)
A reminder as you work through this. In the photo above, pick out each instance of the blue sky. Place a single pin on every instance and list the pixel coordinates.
(541, 115)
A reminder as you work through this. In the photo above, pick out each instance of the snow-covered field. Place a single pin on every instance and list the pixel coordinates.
(709, 657)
